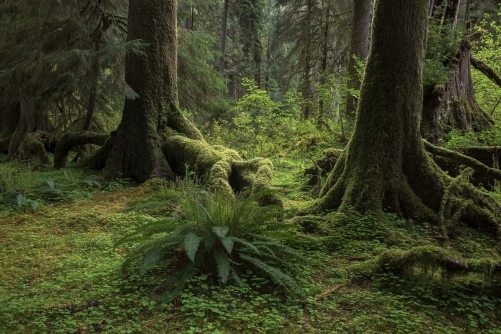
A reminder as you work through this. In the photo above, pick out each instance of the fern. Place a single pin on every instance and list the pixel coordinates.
(191, 244)
(223, 265)
(214, 230)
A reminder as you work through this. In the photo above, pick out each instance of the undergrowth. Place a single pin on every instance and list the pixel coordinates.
(61, 273)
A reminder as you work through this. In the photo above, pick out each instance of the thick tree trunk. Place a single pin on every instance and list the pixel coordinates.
(359, 47)
(31, 119)
(385, 165)
(137, 149)
(454, 106)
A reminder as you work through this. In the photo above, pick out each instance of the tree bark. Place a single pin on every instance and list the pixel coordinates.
(359, 47)
(385, 165)
(9, 118)
(223, 36)
(453, 105)
(137, 149)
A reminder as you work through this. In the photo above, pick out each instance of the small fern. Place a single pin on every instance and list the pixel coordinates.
(219, 235)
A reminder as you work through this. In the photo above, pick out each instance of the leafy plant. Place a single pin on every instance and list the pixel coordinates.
(219, 235)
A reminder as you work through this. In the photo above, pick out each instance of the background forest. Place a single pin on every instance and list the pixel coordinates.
(197, 191)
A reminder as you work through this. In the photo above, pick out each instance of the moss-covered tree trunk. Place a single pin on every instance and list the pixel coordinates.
(453, 105)
(32, 120)
(385, 165)
(137, 149)
(359, 47)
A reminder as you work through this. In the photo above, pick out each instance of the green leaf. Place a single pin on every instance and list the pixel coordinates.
(227, 244)
(223, 265)
(220, 231)
(150, 259)
(209, 242)
(191, 244)
(246, 243)
(51, 183)
(237, 279)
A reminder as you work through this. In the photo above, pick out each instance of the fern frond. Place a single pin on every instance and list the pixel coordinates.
(247, 244)
(276, 275)
(191, 243)
(223, 265)
(235, 277)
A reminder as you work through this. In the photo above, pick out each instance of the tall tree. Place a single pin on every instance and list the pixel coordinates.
(137, 151)
(359, 49)
(385, 165)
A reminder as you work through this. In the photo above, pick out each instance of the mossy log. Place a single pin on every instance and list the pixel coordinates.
(227, 172)
(72, 139)
(431, 258)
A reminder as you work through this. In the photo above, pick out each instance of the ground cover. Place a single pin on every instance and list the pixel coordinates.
(61, 274)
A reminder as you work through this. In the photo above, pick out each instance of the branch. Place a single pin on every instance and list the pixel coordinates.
(488, 71)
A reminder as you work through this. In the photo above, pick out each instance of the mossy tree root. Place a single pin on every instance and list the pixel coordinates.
(73, 139)
(97, 160)
(34, 143)
(464, 160)
(431, 258)
(227, 172)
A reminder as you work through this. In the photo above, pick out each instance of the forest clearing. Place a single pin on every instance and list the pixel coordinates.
(250, 166)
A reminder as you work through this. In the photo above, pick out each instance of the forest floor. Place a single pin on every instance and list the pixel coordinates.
(61, 274)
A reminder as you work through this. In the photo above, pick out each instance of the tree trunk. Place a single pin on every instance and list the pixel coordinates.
(137, 149)
(9, 118)
(453, 105)
(306, 80)
(385, 165)
(359, 47)
(223, 36)
(31, 119)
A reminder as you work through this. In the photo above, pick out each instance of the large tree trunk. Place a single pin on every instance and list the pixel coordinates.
(453, 105)
(359, 47)
(31, 120)
(385, 165)
(137, 149)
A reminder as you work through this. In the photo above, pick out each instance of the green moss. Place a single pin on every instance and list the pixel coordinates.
(227, 171)
(34, 143)
(432, 258)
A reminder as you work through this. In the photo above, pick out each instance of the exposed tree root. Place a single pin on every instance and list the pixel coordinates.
(227, 172)
(34, 143)
(97, 161)
(323, 165)
(72, 139)
(431, 258)
(464, 160)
